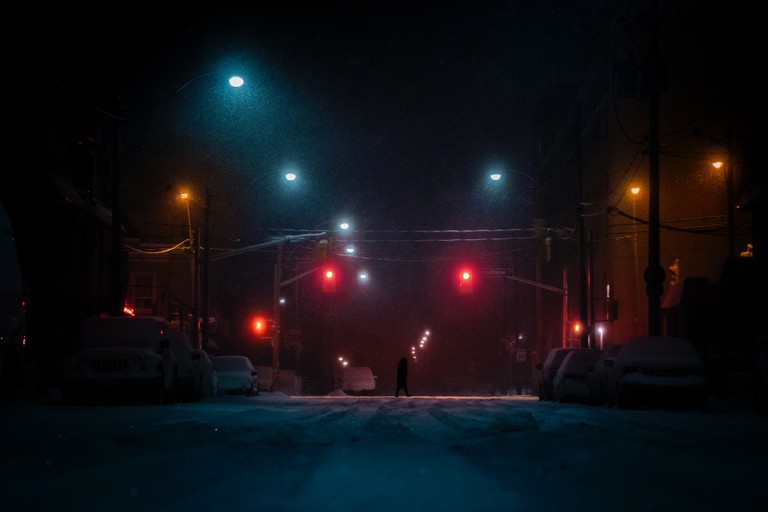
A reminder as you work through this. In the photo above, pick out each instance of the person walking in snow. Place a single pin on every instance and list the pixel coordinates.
(402, 377)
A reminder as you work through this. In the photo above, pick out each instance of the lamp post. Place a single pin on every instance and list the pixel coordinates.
(635, 190)
(728, 175)
(116, 292)
(194, 244)
(539, 226)
(206, 265)
(277, 277)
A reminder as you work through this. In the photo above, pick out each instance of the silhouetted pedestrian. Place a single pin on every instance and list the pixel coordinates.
(402, 377)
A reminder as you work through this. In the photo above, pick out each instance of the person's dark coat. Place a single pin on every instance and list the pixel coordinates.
(402, 377)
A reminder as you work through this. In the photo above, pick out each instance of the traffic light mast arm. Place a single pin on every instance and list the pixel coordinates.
(559, 291)
(300, 276)
(278, 241)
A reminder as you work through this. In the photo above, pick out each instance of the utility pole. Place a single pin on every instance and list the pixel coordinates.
(196, 291)
(206, 264)
(276, 316)
(730, 199)
(116, 300)
(654, 274)
(583, 268)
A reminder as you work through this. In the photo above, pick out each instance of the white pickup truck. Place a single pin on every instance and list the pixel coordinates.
(122, 357)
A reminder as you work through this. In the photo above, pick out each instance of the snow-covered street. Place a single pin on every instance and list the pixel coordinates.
(339, 453)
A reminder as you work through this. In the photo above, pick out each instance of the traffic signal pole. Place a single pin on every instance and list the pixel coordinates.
(277, 286)
(560, 291)
(276, 318)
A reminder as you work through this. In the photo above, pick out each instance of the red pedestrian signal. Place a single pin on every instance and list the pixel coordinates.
(466, 281)
(329, 280)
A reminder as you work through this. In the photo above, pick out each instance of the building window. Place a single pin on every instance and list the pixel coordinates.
(144, 294)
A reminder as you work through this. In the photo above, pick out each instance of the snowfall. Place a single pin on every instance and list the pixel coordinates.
(275, 452)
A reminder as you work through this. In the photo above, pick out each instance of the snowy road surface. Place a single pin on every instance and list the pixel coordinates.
(278, 453)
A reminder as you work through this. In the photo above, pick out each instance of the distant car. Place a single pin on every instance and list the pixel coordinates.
(570, 382)
(357, 380)
(236, 375)
(657, 371)
(596, 380)
(548, 370)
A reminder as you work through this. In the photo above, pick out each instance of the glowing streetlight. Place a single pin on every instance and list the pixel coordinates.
(498, 174)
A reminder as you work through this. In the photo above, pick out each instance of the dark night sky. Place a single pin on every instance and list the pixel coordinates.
(392, 112)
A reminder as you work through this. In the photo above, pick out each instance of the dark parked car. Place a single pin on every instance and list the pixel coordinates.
(657, 371)
(570, 382)
(548, 370)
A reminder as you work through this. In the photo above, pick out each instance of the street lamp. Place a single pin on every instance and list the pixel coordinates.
(497, 174)
(117, 299)
(194, 245)
(635, 190)
(288, 176)
(728, 175)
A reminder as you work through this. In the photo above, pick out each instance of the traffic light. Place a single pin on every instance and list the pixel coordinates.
(329, 280)
(577, 329)
(466, 281)
(259, 325)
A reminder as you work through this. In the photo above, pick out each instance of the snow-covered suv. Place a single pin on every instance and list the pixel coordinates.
(122, 356)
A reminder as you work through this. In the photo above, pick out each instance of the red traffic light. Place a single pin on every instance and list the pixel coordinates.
(259, 326)
(329, 280)
(466, 281)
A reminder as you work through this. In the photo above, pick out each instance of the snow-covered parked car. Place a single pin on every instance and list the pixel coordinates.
(657, 371)
(570, 382)
(188, 375)
(121, 357)
(208, 377)
(236, 375)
